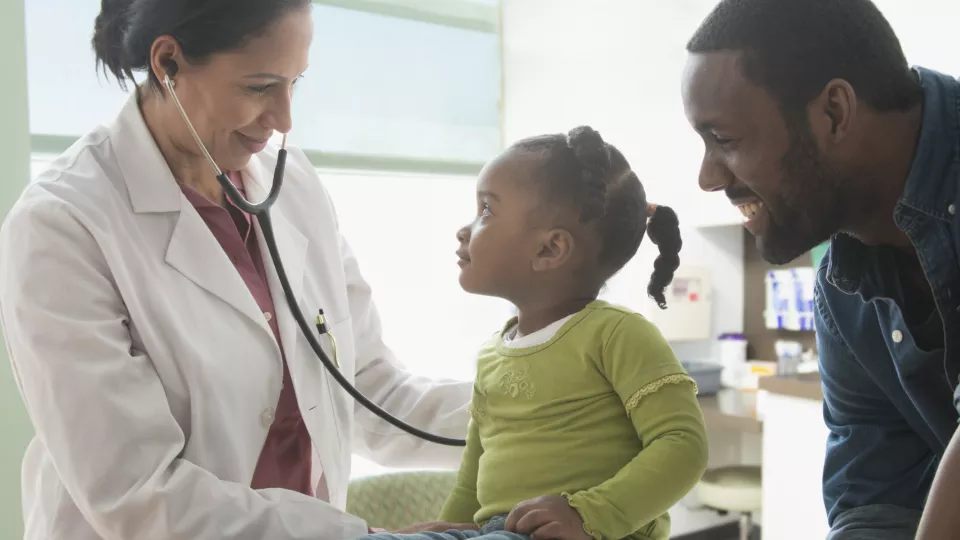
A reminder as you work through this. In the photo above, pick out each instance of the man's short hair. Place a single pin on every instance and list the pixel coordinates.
(793, 48)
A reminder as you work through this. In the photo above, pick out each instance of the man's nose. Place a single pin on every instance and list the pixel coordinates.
(714, 176)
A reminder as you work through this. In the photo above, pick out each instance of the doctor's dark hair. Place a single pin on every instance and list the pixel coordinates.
(125, 30)
(580, 169)
(793, 48)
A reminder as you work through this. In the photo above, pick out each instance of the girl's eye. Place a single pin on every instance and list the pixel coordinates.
(485, 210)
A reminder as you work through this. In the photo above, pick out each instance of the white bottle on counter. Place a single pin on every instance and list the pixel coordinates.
(733, 357)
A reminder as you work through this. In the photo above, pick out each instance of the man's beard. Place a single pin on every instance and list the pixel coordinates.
(807, 209)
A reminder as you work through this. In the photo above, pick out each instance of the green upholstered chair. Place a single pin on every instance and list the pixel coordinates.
(395, 500)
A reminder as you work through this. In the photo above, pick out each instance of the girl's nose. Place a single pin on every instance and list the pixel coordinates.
(463, 234)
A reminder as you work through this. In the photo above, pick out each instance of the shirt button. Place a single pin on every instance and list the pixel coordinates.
(267, 316)
(266, 417)
(897, 336)
(952, 209)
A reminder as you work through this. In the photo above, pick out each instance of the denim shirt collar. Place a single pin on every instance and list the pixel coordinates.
(931, 184)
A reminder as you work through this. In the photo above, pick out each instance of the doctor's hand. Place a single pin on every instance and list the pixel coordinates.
(547, 518)
(437, 527)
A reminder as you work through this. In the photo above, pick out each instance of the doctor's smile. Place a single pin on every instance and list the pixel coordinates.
(253, 145)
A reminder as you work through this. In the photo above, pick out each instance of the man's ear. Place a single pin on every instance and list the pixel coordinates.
(833, 112)
(556, 248)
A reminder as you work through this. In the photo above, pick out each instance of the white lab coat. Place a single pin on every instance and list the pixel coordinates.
(150, 374)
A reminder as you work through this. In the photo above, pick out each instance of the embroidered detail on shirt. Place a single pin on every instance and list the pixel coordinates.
(515, 383)
(657, 385)
(476, 411)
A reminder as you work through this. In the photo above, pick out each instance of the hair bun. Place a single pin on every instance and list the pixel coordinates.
(589, 148)
(109, 34)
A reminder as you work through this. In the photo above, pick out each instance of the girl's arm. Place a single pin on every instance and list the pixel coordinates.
(661, 400)
(462, 504)
(670, 425)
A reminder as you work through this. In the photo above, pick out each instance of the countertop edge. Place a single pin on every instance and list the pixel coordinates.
(805, 386)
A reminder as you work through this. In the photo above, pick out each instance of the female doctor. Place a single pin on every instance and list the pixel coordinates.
(172, 393)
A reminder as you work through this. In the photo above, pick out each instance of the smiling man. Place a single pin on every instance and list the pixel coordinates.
(816, 128)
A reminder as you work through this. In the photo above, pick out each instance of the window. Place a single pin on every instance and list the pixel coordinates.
(60, 70)
(384, 86)
(385, 91)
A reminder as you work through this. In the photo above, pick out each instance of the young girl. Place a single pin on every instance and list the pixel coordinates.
(584, 424)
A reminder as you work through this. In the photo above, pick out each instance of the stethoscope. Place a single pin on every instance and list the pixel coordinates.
(261, 211)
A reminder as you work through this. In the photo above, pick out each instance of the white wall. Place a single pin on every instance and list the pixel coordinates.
(373, 81)
(615, 65)
(405, 241)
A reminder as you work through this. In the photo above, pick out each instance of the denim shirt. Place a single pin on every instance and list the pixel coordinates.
(889, 404)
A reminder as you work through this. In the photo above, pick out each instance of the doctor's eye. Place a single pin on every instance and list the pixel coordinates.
(259, 90)
(293, 84)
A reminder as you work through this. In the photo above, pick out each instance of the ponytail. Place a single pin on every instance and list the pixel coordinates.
(664, 230)
(109, 36)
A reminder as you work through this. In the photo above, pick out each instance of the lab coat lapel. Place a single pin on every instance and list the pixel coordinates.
(192, 249)
(292, 247)
(194, 252)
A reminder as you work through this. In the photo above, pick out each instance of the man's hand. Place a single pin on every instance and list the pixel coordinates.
(547, 518)
(437, 527)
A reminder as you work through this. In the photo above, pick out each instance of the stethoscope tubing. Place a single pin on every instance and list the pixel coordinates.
(266, 225)
(261, 211)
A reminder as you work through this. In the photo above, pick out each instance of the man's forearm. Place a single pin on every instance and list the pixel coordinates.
(941, 520)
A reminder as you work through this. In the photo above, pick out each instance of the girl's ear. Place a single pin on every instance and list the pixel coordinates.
(556, 248)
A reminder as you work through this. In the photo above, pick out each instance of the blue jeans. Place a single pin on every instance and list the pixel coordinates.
(493, 530)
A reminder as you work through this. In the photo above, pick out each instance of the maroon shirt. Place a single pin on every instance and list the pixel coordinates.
(286, 458)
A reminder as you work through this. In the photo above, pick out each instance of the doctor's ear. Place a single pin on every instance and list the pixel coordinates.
(165, 58)
(170, 67)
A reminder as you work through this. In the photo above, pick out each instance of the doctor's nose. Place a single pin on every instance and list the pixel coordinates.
(278, 116)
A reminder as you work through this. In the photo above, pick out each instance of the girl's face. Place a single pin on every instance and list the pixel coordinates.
(499, 247)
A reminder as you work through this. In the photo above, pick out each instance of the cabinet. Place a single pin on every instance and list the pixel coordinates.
(794, 447)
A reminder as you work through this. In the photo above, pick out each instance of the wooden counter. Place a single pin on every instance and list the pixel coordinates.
(801, 385)
(736, 410)
(730, 409)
